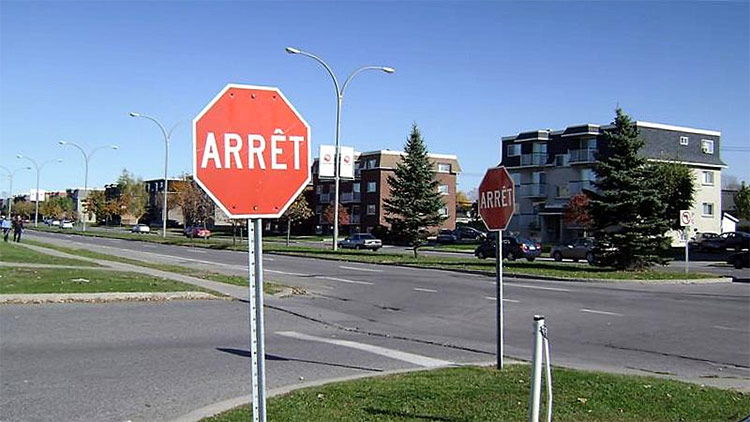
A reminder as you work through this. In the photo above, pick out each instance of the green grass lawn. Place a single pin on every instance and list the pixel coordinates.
(35, 280)
(268, 287)
(12, 252)
(537, 268)
(483, 394)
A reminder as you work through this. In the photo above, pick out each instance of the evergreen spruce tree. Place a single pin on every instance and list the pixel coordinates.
(414, 203)
(628, 215)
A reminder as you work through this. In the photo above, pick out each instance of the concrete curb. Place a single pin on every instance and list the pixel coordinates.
(42, 298)
(229, 404)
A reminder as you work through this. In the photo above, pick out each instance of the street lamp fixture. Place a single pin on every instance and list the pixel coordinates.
(12, 173)
(86, 158)
(167, 136)
(339, 100)
(38, 168)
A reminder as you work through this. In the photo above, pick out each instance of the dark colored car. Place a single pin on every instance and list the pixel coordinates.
(575, 249)
(514, 247)
(446, 236)
(468, 233)
(728, 240)
(361, 241)
(739, 259)
(700, 238)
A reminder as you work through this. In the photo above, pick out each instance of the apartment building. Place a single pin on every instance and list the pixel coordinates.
(550, 166)
(364, 196)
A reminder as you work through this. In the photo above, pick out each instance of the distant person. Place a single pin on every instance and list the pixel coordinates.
(17, 228)
(5, 225)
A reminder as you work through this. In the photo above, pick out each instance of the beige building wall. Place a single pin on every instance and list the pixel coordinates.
(707, 192)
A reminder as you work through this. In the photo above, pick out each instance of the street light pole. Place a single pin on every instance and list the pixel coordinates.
(10, 178)
(339, 102)
(39, 168)
(86, 158)
(167, 136)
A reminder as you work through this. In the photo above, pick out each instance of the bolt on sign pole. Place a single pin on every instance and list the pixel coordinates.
(251, 155)
(496, 206)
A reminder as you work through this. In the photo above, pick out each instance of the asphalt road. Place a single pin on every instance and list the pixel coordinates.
(158, 361)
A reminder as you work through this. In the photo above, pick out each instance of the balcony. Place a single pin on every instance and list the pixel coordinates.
(354, 219)
(324, 198)
(578, 186)
(534, 190)
(534, 159)
(348, 197)
(582, 155)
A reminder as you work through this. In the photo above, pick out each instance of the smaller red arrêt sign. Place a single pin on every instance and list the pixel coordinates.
(496, 201)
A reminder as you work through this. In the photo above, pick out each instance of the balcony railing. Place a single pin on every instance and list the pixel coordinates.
(582, 155)
(533, 190)
(534, 159)
(578, 186)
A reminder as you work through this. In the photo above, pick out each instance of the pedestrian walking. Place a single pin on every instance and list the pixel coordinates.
(5, 226)
(17, 229)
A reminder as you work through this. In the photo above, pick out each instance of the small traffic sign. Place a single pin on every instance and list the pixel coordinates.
(496, 199)
(251, 151)
(687, 218)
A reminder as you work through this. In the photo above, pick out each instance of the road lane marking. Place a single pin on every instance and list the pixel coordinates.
(419, 289)
(360, 269)
(593, 311)
(343, 280)
(288, 273)
(721, 327)
(556, 289)
(504, 300)
(382, 351)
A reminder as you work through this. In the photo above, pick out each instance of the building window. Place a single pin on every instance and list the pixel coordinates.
(708, 178)
(317, 189)
(444, 168)
(514, 150)
(516, 178)
(561, 160)
(443, 189)
(371, 209)
(372, 163)
(443, 211)
(356, 188)
(708, 209)
(707, 145)
(372, 186)
(684, 140)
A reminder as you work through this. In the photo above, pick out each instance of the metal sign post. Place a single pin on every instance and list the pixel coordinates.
(687, 261)
(687, 218)
(257, 332)
(499, 287)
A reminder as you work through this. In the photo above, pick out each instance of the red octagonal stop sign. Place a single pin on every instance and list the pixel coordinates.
(251, 151)
(496, 198)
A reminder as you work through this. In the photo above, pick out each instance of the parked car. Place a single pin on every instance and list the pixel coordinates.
(468, 233)
(55, 223)
(361, 241)
(66, 225)
(446, 236)
(197, 231)
(728, 240)
(575, 249)
(514, 247)
(140, 228)
(739, 259)
(700, 238)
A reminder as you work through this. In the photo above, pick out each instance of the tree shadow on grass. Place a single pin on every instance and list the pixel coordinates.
(246, 354)
(406, 415)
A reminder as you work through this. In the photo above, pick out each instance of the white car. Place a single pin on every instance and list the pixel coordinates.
(55, 223)
(361, 241)
(141, 228)
(66, 225)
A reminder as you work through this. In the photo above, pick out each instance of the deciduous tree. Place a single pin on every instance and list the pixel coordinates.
(300, 210)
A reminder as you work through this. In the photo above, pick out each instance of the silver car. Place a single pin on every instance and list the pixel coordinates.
(361, 241)
(575, 250)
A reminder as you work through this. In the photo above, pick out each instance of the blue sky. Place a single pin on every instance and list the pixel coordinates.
(467, 74)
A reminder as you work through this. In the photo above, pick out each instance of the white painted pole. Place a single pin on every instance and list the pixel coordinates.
(536, 370)
(687, 239)
(255, 299)
(499, 287)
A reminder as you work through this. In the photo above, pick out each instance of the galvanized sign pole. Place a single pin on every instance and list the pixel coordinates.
(499, 284)
(687, 234)
(257, 332)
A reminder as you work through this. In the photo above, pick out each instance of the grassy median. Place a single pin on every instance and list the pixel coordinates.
(484, 394)
(62, 280)
(12, 252)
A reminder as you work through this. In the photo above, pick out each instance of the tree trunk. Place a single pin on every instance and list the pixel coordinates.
(288, 229)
